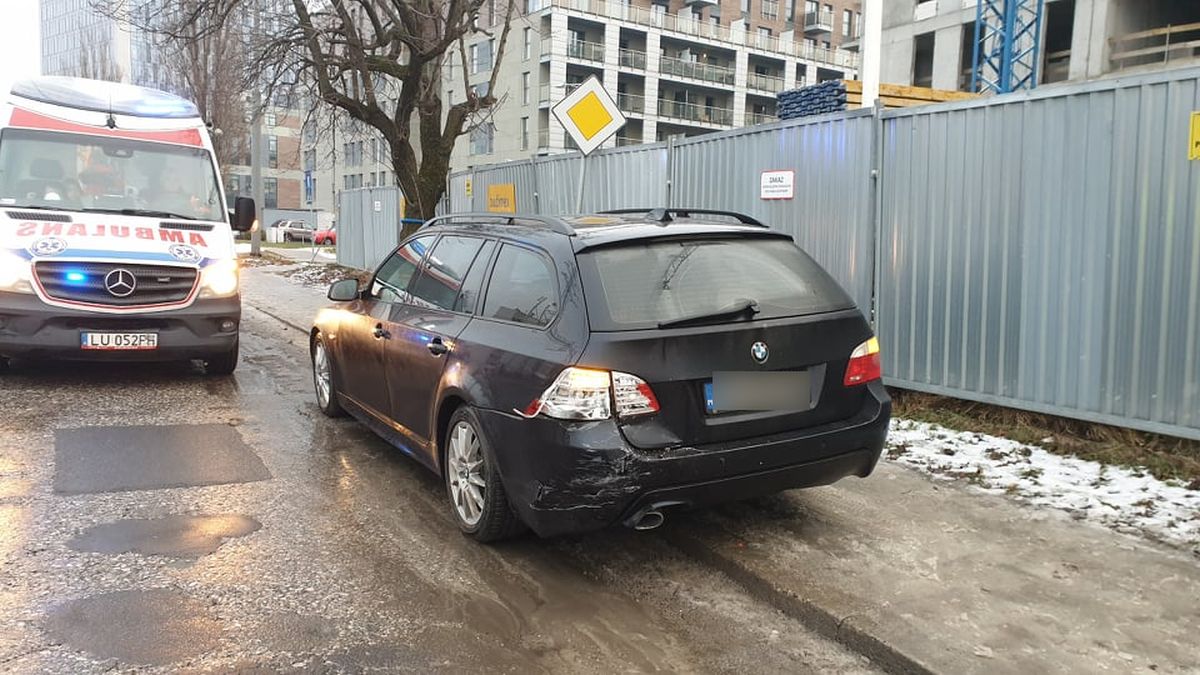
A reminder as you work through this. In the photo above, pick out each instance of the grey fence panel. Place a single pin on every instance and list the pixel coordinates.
(460, 195)
(369, 225)
(520, 174)
(830, 215)
(1043, 251)
(626, 178)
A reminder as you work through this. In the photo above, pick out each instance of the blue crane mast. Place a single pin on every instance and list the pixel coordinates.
(1007, 40)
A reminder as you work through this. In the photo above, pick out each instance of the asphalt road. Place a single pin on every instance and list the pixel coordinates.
(154, 518)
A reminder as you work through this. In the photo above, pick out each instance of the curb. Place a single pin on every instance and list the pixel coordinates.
(818, 619)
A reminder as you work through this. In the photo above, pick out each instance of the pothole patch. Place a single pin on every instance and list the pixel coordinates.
(115, 459)
(175, 536)
(154, 627)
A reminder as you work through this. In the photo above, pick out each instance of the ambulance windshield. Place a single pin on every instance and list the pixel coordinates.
(70, 172)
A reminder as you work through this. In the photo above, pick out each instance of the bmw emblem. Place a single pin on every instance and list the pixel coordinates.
(48, 246)
(184, 253)
(759, 352)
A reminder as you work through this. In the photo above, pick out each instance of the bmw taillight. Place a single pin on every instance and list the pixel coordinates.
(864, 365)
(587, 394)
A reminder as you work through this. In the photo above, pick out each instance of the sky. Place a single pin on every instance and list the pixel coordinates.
(20, 35)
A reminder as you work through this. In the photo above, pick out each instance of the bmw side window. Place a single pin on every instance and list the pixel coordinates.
(391, 281)
(443, 271)
(522, 288)
(472, 288)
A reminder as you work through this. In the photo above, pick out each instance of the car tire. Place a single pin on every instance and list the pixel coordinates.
(323, 380)
(222, 364)
(481, 511)
(287, 237)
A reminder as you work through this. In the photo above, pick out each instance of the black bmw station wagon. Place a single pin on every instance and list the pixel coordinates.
(566, 374)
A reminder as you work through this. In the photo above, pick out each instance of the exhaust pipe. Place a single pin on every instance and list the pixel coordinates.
(649, 520)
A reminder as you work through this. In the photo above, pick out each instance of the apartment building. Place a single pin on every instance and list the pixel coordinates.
(339, 153)
(675, 67)
(929, 42)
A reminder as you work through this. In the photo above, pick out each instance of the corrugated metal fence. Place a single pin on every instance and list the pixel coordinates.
(1039, 250)
(369, 225)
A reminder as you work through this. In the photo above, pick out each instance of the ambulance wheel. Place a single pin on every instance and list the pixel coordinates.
(222, 364)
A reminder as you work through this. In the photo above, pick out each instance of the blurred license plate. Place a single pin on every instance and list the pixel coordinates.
(740, 391)
(118, 341)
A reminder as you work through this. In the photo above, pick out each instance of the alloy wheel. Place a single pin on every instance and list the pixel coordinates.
(465, 473)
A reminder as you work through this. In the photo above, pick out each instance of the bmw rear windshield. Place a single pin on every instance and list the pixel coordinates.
(642, 285)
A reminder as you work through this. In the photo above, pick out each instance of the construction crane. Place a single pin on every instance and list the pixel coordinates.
(1007, 45)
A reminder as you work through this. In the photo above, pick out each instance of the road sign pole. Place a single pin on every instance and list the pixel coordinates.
(579, 191)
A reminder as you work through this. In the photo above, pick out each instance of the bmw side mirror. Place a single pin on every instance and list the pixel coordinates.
(244, 215)
(345, 290)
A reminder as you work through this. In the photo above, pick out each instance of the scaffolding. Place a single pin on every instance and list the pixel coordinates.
(1007, 41)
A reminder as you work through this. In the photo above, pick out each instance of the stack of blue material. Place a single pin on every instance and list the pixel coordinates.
(826, 97)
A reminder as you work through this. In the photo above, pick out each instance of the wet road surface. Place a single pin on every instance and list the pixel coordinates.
(151, 517)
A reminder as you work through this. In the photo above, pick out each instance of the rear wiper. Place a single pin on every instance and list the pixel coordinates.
(738, 308)
(143, 212)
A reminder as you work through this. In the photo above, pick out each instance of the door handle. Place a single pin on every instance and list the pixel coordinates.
(437, 347)
(380, 333)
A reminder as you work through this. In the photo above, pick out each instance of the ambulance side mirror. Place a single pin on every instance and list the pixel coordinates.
(244, 215)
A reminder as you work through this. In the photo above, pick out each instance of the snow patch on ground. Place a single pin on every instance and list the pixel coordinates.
(1123, 499)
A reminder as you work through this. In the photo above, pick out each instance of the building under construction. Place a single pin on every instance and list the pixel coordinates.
(932, 43)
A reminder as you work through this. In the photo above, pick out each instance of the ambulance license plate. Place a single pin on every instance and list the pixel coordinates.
(118, 341)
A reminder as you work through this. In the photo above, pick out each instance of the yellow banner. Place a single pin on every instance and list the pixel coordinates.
(502, 198)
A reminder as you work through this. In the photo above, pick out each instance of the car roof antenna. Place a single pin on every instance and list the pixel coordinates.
(661, 215)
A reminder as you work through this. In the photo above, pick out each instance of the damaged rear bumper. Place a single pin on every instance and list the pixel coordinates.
(567, 477)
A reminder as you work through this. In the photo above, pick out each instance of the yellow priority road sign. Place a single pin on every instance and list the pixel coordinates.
(590, 115)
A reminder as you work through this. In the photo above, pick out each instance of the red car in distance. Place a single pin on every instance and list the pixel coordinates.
(326, 237)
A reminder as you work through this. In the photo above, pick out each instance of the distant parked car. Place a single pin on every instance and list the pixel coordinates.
(327, 236)
(292, 230)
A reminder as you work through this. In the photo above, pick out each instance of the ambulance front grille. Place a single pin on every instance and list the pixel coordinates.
(86, 283)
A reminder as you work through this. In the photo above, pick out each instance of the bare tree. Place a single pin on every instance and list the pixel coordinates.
(96, 60)
(379, 61)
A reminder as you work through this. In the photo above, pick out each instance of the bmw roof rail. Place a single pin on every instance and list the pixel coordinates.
(666, 215)
(550, 222)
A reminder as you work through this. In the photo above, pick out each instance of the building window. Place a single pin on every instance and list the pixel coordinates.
(525, 88)
(524, 133)
(847, 16)
(383, 178)
(273, 152)
(482, 138)
(528, 43)
(770, 9)
(270, 193)
(481, 57)
(310, 160)
(271, 119)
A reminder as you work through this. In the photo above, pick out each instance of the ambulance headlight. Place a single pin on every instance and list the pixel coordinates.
(219, 279)
(16, 274)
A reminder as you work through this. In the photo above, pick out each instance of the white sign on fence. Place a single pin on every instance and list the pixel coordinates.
(777, 185)
(378, 206)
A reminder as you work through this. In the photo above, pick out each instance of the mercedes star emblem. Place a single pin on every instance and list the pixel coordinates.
(120, 283)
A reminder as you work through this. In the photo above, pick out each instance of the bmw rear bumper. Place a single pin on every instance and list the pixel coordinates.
(574, 477)
(29, 328)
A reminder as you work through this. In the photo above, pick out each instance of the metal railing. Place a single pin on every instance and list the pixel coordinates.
(694, 112)
(620, 11)
(543, 139)
(624, 141)
(760, 118)
(632, 58)
(673, 67)
(631, 103)
(768, 83)
(585, 51)
(820, 21)
(544, 92)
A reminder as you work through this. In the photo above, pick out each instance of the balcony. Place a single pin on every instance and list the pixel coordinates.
(586, 51)
(632, 59)
(765, 83)
(760, 118)
(673, 67)
(633, 104)
(819, 22)
(624, 141)
(544, 93)
(621, 11)
(700, 4)
(694, 112)
(543, 139)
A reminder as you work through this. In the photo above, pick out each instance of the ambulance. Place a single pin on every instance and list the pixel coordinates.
(116, 239)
